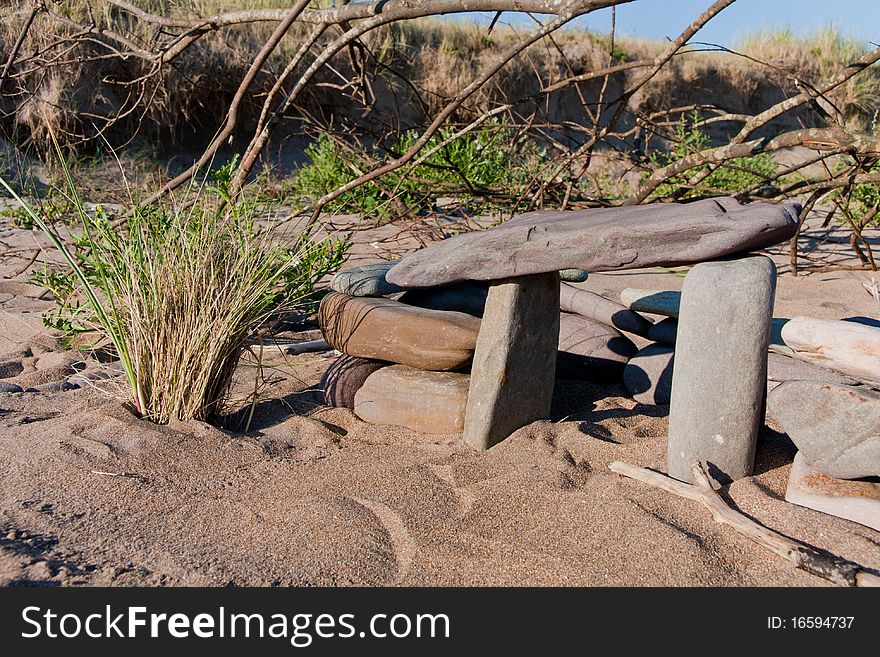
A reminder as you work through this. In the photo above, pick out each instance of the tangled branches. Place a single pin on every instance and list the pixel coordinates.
(608, 131)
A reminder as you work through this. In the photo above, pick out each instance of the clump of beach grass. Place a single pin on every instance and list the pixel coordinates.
(177, 292)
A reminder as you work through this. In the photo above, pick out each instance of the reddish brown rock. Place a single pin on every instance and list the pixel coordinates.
(345, 377)
(429, 402)
(384, 329)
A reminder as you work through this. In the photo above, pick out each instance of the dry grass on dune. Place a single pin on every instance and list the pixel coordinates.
(186, 104)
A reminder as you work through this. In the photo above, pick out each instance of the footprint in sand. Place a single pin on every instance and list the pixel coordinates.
(466, 498)
(402, 543)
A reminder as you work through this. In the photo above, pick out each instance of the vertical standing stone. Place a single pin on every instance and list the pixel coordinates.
(719, 380)
(515, 359)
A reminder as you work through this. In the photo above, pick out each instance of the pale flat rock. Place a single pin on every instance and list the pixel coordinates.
(837, 428)
(365, 281)
(648, 375)
(596, 307)
(515, 359)
(384, 329)
(655, 302)
(600, 239)
(345, 377)
(591, 351)
(848, 347)
(858, 501)
(719, 381)
(429, 402)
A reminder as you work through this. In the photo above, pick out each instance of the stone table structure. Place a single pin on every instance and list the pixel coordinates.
(511, 378)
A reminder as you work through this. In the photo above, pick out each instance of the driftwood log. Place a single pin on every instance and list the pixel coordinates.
(822, 564)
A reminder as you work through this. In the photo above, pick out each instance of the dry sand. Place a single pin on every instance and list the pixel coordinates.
(91, 495)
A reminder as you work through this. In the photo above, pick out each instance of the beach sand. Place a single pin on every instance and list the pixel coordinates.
(91, 495)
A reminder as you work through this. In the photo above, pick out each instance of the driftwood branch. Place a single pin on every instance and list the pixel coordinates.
(827, 566)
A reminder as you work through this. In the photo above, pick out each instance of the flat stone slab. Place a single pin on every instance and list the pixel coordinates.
(836, 428)
(365, 281)
(384, 329)
(429, 402)
(858, 501)
(848, 347)
(345, 377)
(600, 239)
(591, 351)
(784, 368)
(596, 307)
(655, 302)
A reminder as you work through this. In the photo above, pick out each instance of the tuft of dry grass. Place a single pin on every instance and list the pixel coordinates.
(178, 292)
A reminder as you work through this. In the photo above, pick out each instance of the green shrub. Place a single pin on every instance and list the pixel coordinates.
(489, 161)
(733, 176)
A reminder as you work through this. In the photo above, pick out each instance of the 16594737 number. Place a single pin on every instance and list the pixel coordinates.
(810, 622)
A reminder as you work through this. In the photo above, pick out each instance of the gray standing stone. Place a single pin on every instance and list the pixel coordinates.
(719, 381)
(595, 306)
(664, 331)
(835, 427)
(591, 351)
(648, 375)
(345, 377)
(429, 402)
(365, 281)
(515, 359)
(10, 387)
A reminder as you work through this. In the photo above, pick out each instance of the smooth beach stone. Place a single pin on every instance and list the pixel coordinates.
(10, 387)
(600, 239)
(783, 368)
(429, 402)
(664, 331)
(345, 377)
(515, 360)
(848, 347)
(656, 302)
(465, 297)
(365, 281)
(573, 275)
(719, 381)
(591, 351)
(648, 375)
(383, 329)
(836, 427)
(858, 501)
(596, 307)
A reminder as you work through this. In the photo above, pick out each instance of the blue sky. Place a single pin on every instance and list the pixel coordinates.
(658, 19)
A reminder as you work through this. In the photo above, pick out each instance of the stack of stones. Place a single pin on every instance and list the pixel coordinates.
(835, 425)
(493, 301)
(407, 354)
